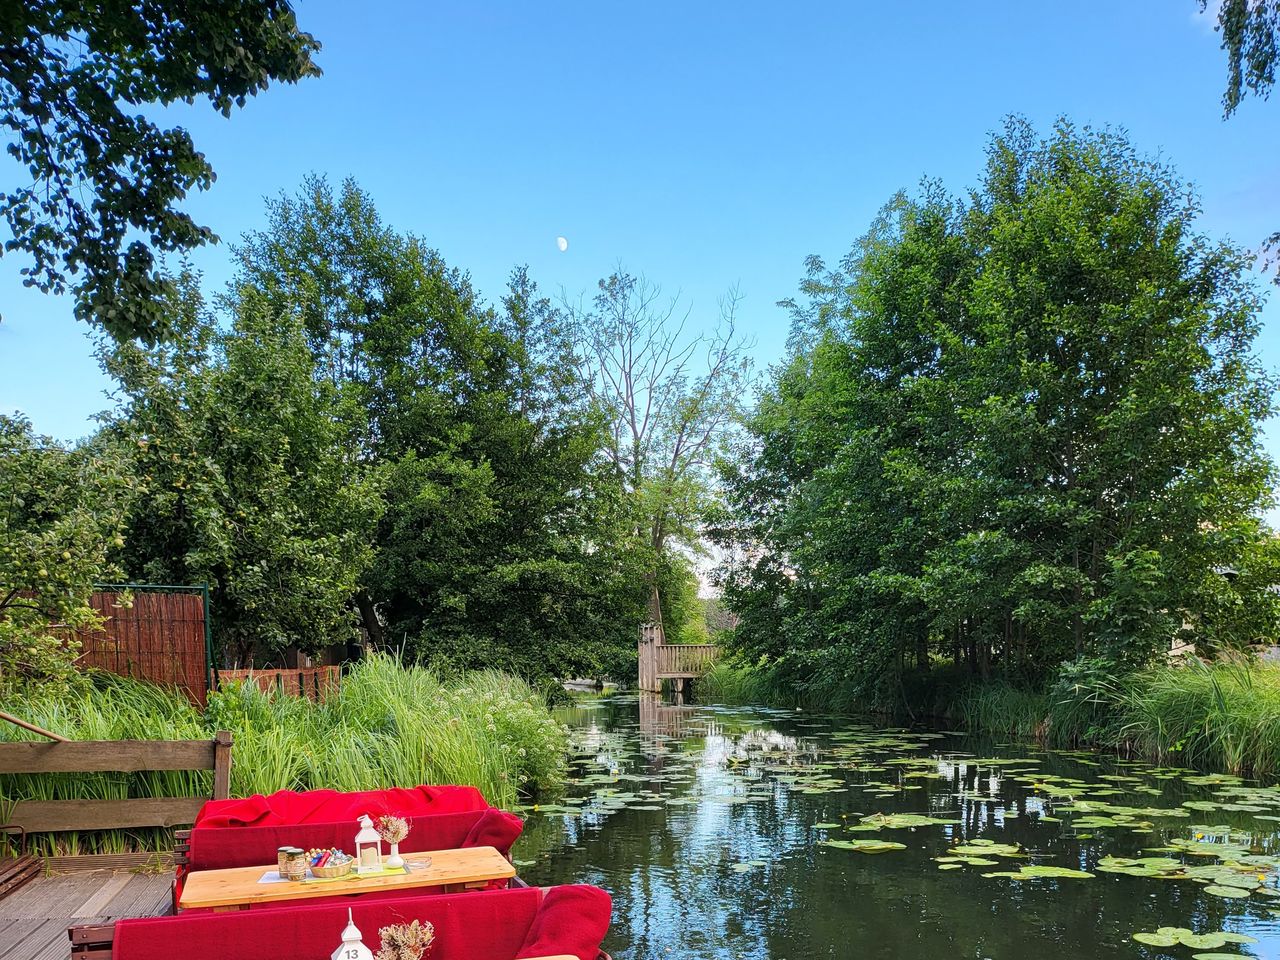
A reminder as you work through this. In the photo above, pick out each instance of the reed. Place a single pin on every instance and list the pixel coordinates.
(1221, 715)
(1002, 709)
(1224, 714)
(736, 684)
(386, 725)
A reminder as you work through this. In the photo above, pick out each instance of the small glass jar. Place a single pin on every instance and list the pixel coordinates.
(282, 861)
(296, 864)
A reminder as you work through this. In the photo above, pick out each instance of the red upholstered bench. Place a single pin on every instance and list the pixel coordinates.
(248, 832)
(567, 921)
(327, 806)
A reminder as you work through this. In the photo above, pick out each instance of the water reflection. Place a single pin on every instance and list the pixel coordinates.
(707, 825)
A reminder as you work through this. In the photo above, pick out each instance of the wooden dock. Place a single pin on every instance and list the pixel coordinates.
(679, 662)
(34, 919)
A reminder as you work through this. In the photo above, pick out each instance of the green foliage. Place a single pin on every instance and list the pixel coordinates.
(390, 725)
(683, 619)
(1215, 715)
(386, 726)
(73, 77)
(669, 404)
(244, 482)
(1011, 430)
(1251, 38)
(1001, 709)
(61, 511)
(1221, 715)
(736, 684)
(505, 541)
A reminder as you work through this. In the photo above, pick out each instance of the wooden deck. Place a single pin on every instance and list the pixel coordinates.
(34, 920)
(659, 660)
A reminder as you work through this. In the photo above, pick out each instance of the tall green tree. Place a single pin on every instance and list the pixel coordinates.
(62, 513)
(671, 402)
(101, 182)
(500, 541)
(1012, 429)
(245, 483)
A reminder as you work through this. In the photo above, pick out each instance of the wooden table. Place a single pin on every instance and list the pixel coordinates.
(237, 888)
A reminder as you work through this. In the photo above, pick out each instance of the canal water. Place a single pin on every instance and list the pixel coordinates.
(756, 833)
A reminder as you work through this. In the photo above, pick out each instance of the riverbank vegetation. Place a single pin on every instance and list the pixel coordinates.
(386, 725)
(1015, 442)
(1214, 715)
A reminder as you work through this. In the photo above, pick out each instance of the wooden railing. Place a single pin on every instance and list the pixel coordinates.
(685, 659)
(114, 756)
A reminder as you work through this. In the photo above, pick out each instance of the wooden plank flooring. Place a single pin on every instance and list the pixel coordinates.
(34, 920)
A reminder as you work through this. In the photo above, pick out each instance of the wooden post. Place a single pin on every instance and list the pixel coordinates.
(650, 637)
(222, 765)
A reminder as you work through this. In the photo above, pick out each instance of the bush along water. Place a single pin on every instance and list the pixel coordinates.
(1222, 714)
(386, 725)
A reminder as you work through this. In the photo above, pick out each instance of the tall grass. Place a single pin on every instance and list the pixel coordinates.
(387, 725)
(1224, 714)
(1003, 709)
(1221, 715)
(735, 684)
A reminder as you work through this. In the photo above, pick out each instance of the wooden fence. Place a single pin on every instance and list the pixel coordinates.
(114, 756)
(159, 637)
(300, 681)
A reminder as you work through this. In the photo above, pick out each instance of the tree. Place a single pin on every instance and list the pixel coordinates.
(1012, 430)
(1251, 37)
(244, 481)
(105, 180)
(500, 542)
(670, 403)
(61, 512)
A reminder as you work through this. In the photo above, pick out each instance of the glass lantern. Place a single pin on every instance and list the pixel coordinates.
(368, 847)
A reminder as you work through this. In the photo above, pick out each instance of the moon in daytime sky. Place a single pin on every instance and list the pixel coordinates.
(562, 243)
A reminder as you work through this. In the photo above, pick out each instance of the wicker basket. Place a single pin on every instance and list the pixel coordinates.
(336, 870)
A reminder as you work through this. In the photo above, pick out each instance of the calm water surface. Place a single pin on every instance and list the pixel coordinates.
(710, 828)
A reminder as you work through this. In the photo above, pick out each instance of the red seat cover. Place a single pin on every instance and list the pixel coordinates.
(493, 925)
(332, 806)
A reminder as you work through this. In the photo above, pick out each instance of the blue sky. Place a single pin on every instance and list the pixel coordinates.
(706, 145)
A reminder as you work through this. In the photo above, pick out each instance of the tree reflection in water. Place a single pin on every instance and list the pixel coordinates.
(703, 823)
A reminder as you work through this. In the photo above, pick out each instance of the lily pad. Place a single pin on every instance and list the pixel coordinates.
(1156, 939)
(1037, 872)
(1229, 893)
(1231, 937)
(864, 846)
(987, 848)
(1203, 941)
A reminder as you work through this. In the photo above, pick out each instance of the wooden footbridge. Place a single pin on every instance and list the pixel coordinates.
(677, 662)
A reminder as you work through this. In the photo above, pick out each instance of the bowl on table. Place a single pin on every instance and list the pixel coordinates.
(332, 870)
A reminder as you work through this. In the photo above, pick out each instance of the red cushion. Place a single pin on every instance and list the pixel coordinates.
(573, 920)
(493, 925)
(330, 806)
(216, 848)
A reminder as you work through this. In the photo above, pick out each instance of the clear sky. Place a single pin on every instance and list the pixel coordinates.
(707, 145)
